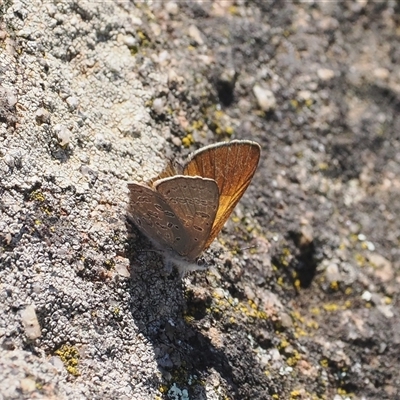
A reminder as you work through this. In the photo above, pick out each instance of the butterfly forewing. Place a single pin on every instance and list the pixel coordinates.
(232, 166)
(195, 200)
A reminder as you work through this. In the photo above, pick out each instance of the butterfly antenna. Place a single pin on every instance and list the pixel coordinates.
(239, 250)
(248, 248)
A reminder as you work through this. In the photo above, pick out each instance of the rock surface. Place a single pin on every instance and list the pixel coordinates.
(301, 296)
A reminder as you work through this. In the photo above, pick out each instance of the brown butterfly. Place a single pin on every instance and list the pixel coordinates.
(183, 213)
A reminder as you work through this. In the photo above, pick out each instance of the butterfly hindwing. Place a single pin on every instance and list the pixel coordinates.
(178, 213)
(195, 201)
(153, 216)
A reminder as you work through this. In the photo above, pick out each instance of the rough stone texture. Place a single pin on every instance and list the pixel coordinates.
(94, 94)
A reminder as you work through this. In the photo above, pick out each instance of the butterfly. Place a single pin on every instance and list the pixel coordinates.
(182, 212)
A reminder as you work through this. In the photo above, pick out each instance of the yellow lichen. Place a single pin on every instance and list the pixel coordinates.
(309, 102)
(37, 196)
(297, 316)
(360, 260)
(294, 394)
(69, 355)
(233, 10)
(163, 389)
(188, 140)
(312, 324)
(315, 311)
(388, 300)
(324, 363)
(109, 264)
(330, 307)
(144, 40)
(188, 318)
(334, 285)
(323, 166)
(229, 130)
(197, 125)
(292, 361)
(283, 344)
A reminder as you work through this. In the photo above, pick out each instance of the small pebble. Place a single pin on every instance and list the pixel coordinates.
(265, 98)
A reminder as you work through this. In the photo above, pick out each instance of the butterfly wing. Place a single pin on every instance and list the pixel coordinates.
(232, 166)
(178, 214)
(170, 170)
(194, 200)
(153, 216)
